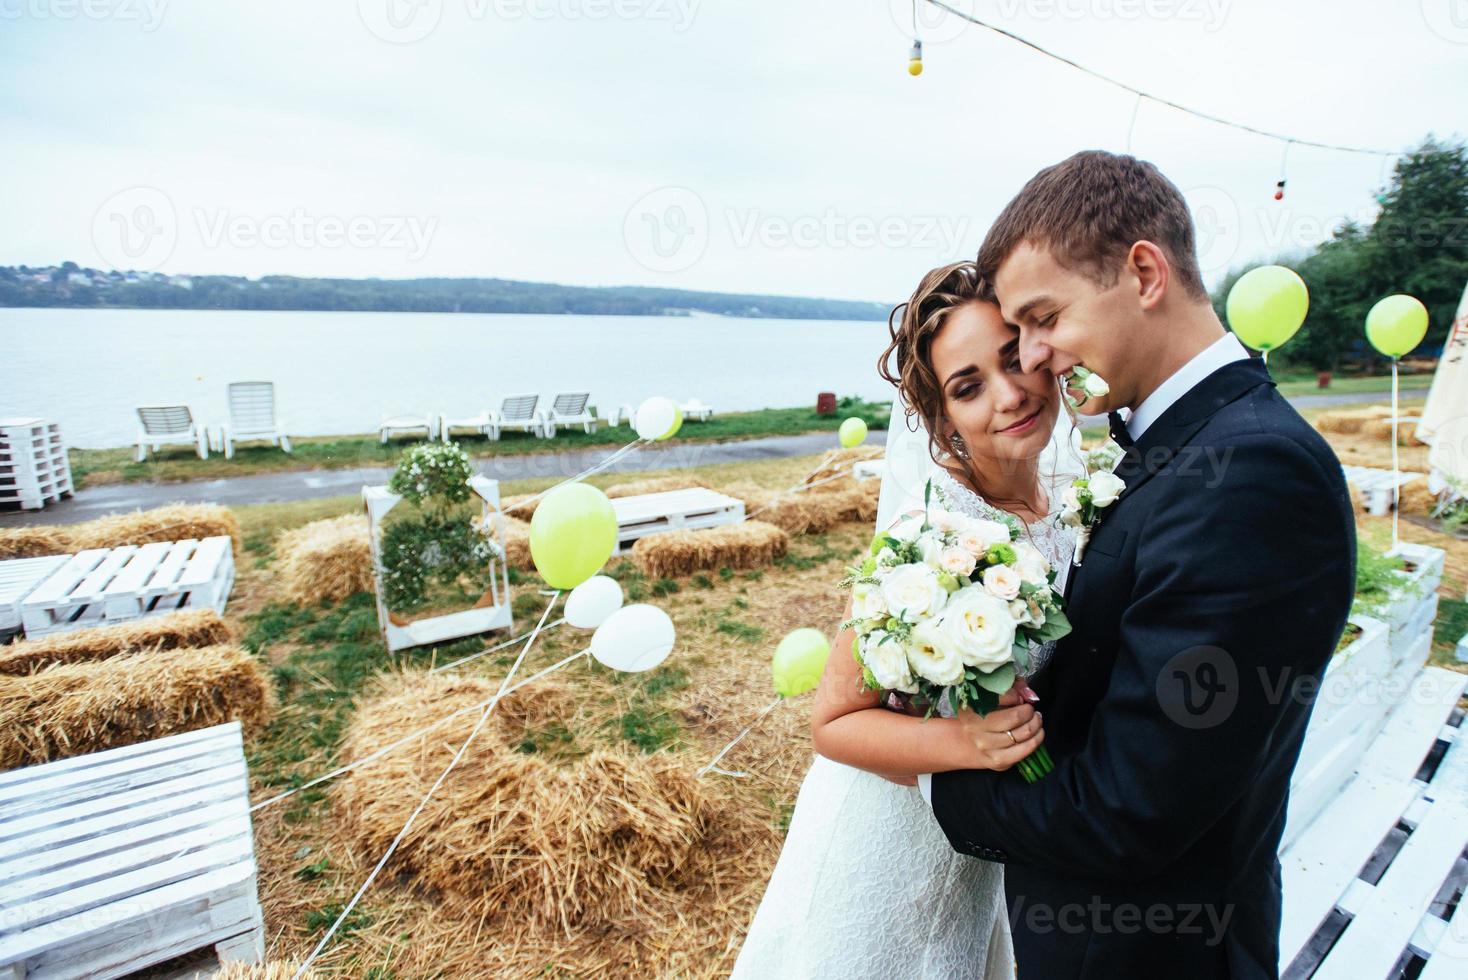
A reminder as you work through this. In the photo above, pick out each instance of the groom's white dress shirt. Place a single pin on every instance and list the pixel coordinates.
(1224, 350)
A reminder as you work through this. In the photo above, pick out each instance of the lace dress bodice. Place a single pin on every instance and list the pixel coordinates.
(1055, 541)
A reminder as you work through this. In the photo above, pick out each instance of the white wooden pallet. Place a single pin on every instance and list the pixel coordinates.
(1377, 485)
(34, 468)
(689, 509)
(104, 586)
(115, 861)
(1362, 879)
(18, 578)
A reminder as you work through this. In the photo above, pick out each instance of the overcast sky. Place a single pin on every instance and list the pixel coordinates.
(754, 146)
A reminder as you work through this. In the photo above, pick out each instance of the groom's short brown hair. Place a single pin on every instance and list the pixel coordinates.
(1088, 210)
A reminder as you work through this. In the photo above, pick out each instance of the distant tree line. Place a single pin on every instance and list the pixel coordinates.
(1417, 244)
(69, 285)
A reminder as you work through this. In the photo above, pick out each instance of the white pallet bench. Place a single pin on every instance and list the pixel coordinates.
(18, 578)
(1341, 924)
(105, 586)
(689, 509)
(119, 860)
(34, 468)
(1377, 485)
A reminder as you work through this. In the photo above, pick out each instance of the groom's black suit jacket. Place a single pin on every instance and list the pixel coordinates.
(1216, 585)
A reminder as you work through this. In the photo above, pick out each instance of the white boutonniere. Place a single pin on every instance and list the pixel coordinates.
(1087, 383)
(1089, 495)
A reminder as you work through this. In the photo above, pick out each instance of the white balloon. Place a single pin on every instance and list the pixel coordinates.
(591, 602)
(634, 638)
(655, 417)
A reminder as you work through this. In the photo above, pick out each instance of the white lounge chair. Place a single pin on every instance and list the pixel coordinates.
(567, 409)
(621, 415)
(170, 424)
(252, 416)
(394, 424)
(517, 412)
(696, 410)
(481, 423)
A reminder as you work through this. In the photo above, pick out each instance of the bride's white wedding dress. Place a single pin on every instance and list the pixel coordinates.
(866, 884)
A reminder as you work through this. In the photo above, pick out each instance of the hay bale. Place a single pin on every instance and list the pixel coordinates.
(593, 841)
(274, 970)
(517, 545)
(329, 559)
(73, 709)
(1350, 421)
(187, 628)
(669, 554)
(1416, 498)
(33, 542)
(797, 511)
(656, 484)
(841, 460)
(174, 522)
(1382, 429)
(512, 509)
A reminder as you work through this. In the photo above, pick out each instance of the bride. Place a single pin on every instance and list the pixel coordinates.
(866, 884)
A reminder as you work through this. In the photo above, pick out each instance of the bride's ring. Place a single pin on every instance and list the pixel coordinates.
(1012, 739)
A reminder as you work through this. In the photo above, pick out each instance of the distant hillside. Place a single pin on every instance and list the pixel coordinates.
(72, 286)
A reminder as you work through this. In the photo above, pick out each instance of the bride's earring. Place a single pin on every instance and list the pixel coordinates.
(955, 442)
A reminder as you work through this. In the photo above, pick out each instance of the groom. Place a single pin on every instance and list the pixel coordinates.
(1208, 601)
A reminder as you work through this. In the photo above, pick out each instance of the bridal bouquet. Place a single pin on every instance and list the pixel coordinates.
(949, 604)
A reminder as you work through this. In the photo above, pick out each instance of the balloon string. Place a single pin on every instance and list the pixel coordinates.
(713, 766)
(1396, 471)
(498, 646)
(579, 476)
(392, 848)
(373, 757)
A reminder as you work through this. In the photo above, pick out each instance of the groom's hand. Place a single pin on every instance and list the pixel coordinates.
(1005, 736)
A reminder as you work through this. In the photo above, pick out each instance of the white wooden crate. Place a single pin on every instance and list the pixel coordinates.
(103, 586)
(18, 578)
(672, 510)
(34, 469)
(115, 861)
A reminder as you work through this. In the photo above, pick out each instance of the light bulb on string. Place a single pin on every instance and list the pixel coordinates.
(1284, 159)
(915, 59)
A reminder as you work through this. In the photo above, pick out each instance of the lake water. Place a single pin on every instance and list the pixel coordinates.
(341, 372)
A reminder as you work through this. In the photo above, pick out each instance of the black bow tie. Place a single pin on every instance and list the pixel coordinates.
(1119, 433)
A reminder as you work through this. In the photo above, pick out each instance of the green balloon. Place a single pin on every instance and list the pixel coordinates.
(1396, 324)
(572, 534)
(852, 432)
(1266, 306)
(799, 661)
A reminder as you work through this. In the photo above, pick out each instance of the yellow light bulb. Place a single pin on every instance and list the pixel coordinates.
(915, 67)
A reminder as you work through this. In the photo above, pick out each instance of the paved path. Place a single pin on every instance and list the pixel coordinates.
(308, 484)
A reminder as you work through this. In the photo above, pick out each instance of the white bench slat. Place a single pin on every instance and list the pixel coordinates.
(65, 578)
(108, 756)
(90, 588)
(203, 562)
(1409, 732)
(98, 920)
(1449, 960)
(54, 828)
(46, 903)
(74, 787)
(1376, 937)
(172, 566)
(135, 575)
(1451, 778)
(131, 838)
(1320, 865)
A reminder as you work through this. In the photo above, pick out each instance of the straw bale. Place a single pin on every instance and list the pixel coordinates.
(273, 970)
(1382, 429)
(174, 522)
(72, 709)
(610, 838)
(841, 460)
(186, 628)
(517, 544)
(794, 512)
(1351, 420)
(328, 559)
(656, 484)
(752, 544)
(510, 506)
(1416, 498)
(33, 542)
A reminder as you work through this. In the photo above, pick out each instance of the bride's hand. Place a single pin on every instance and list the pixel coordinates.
(1004, 736)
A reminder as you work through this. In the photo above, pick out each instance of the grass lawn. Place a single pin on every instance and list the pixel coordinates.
(94, 467)
(1294, 384)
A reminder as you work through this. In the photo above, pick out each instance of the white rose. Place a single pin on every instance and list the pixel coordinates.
(1095, 386)
(957, 561)
(1002, 581)
(1070, 517)
(932, 656)
(978, 628)
(930, 547)
(1105, 488)
(979, 536)
(1031, 564)
(887, 662)
(908, 529)
(944, 520)
(1019, 610)
(1072, 498)
(867, 601)
(913, 591)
